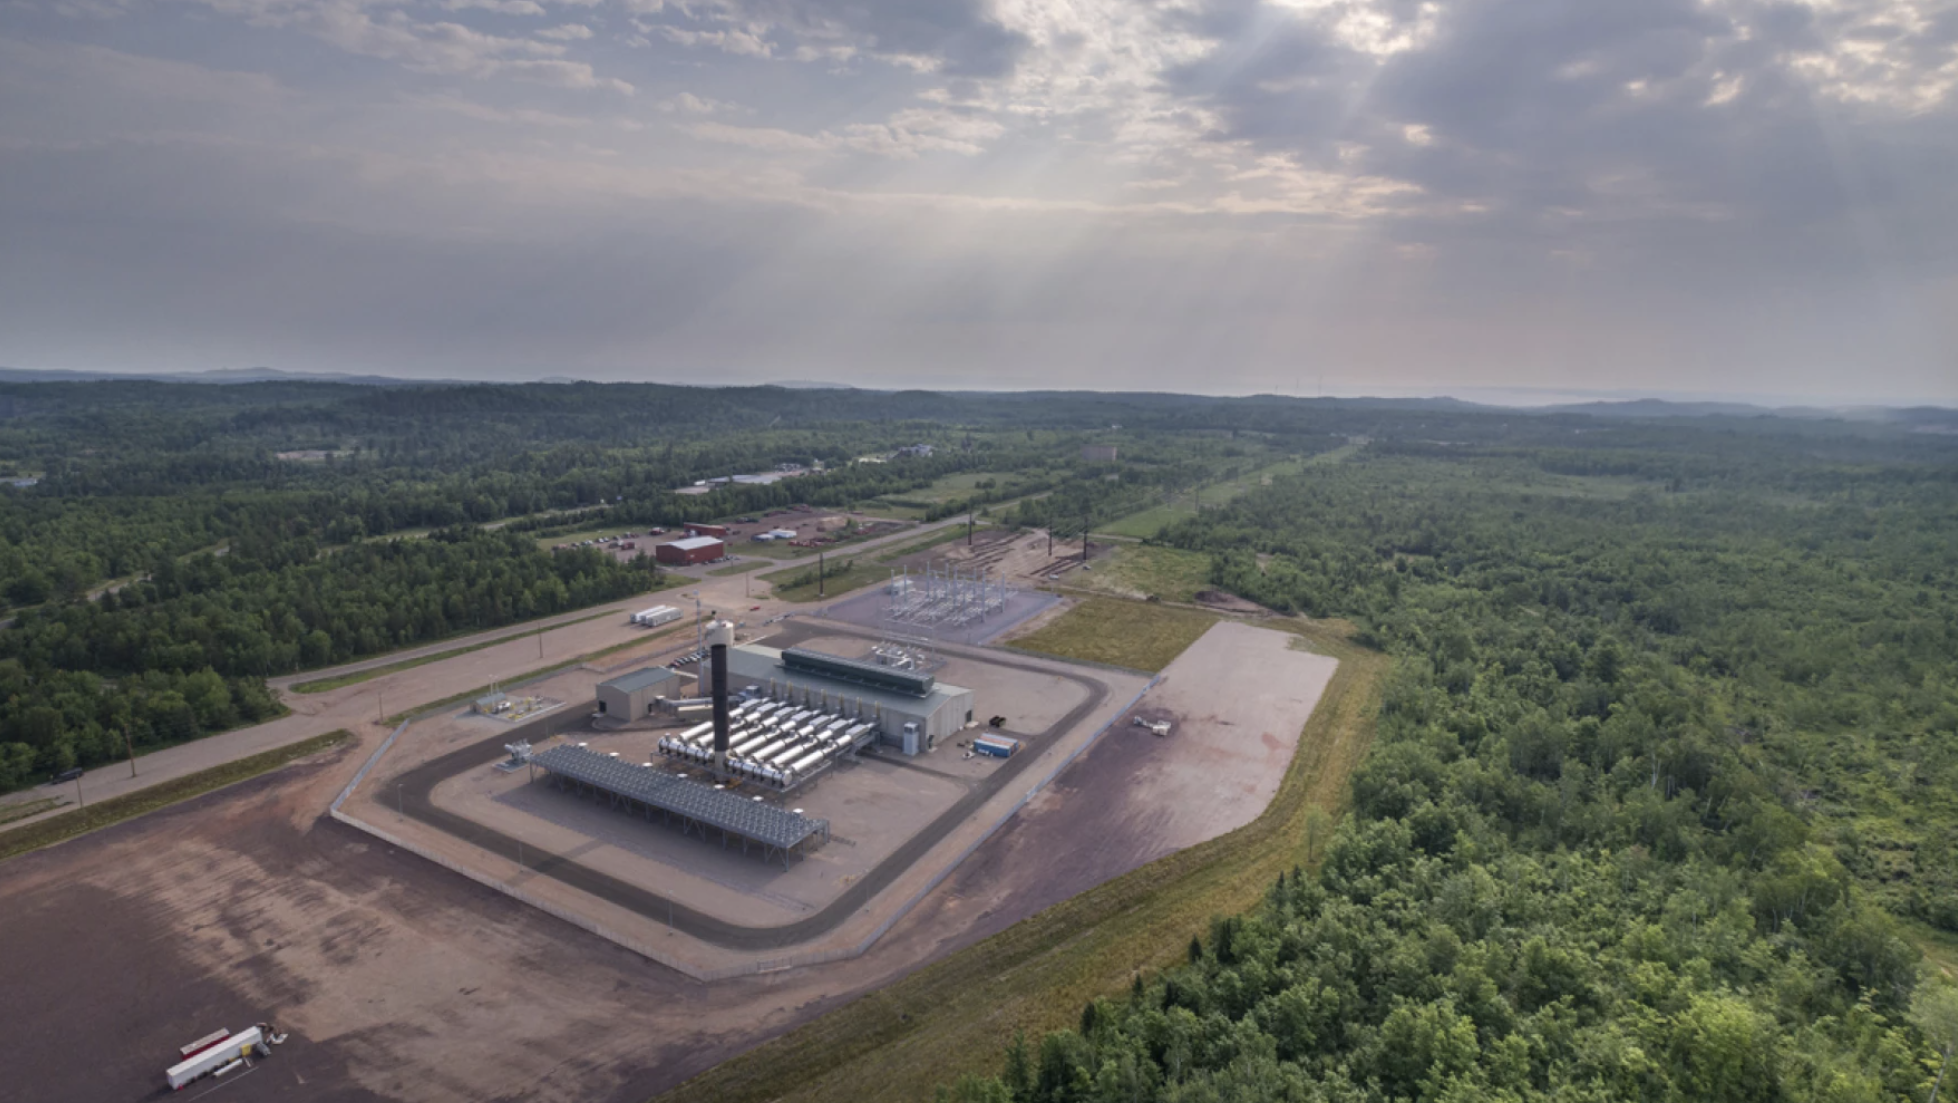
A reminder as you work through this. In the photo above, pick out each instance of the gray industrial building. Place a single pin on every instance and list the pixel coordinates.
(893, 698)
(630, 696)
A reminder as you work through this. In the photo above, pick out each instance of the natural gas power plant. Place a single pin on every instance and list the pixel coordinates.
(800, 711)
(770, 721)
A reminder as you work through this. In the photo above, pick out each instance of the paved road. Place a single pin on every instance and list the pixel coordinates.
(361, 707)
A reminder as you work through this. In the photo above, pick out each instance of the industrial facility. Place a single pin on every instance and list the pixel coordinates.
(693, 549)
(908, 709)
(632, 696)
(946, 596)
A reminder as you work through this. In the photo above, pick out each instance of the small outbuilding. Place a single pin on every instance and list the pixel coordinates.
(996, 746)
(631, 696)
(697, 528)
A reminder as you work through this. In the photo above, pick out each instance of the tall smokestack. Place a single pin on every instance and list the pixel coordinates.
(720, 635)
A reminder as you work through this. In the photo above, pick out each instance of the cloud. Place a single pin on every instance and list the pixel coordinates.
(445, 48)
(500, 7)
(524, 116)
(772, 139)
(689, 104)
(953, 38)
(1661, 186)
(1542, 117)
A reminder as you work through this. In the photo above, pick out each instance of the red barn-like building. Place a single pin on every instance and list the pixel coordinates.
(696, 528)
(694, 549)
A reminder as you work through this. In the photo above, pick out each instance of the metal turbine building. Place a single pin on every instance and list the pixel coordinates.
(910, 709)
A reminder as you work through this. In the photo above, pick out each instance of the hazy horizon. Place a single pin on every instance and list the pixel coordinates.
(1500, 397)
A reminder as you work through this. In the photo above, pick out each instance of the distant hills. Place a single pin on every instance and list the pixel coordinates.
(217, 376)
(1927, 419)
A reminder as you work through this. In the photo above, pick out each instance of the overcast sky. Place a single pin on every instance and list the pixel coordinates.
(1357, 196)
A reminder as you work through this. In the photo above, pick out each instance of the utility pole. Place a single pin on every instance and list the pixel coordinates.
(819, 574)
(1084, 539)
(968, 528)
(131, 748)
(540, 643)
(79, 805)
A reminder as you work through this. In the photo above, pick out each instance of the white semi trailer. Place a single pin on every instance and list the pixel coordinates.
(219, 1058)
(656, 616)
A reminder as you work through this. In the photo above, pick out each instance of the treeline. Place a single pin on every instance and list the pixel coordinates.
(185, 652)
(1653, 778)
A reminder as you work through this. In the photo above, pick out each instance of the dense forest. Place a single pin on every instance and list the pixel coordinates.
(1664, 789)
(166, 547)
(1663, 800)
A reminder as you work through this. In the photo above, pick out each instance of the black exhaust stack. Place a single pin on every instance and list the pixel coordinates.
(719, 636)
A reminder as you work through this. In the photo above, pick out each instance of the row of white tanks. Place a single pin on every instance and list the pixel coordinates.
(773, 742)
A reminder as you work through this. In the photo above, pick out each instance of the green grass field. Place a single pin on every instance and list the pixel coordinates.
(471, 694)
(354, 678)
(117, 809)
(1132, 634)
(937, 539)
(799, 583)
(1144, 570)
(1149, 522)
(955, 1017)
(911, 505)
(26, 808)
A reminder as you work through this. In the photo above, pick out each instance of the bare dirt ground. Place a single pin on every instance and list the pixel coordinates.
(397, 980)
(1238, 698)
(402, 981)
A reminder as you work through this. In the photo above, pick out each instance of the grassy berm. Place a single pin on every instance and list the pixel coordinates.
(91, 817)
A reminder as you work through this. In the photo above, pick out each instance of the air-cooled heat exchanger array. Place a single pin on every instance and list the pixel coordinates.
(775, 742)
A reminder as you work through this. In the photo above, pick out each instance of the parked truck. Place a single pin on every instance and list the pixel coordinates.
(220, 1053)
